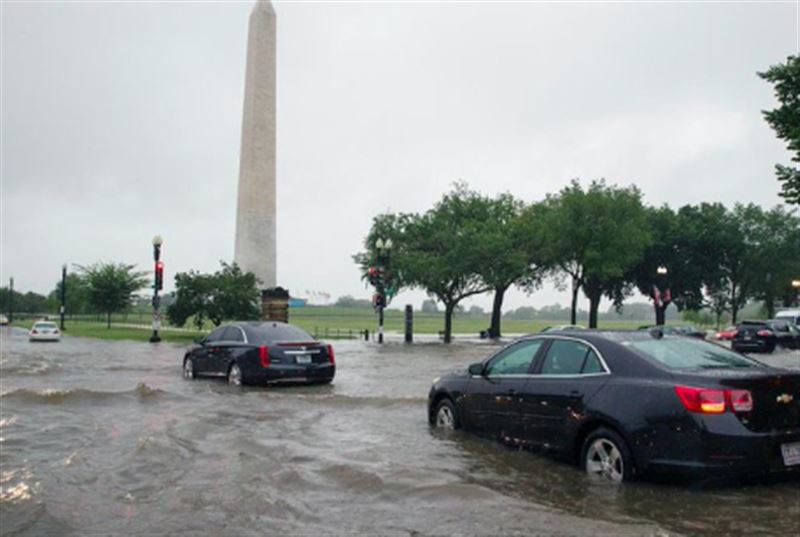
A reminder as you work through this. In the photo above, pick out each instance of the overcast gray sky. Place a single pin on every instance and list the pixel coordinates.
(122, 120)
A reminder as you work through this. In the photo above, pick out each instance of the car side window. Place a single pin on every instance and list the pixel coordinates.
(216, 335)
(232, 334)
(592, 364)
(515, 360)
(565, 357)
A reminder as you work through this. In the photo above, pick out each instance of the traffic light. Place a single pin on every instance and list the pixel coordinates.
(159, 275)
(372, 275)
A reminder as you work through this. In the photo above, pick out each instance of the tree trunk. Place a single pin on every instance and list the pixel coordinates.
(573, 316)
(734, 304)
(108, 318)
(497, 307)
(769, 305)
(448, 322)
(594, 305)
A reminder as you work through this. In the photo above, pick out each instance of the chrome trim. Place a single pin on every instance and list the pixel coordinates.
(244, 334)
(551, 375)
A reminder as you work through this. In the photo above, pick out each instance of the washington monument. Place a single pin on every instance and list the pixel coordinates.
(255, 211)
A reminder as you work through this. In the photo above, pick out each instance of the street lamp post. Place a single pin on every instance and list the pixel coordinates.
(661, 295)
(63, 309)
(157, 285)
(796, 287)
(384, 249)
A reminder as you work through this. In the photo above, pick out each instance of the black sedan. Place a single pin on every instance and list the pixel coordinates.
(257, 352)
(765, 336)
(628, 404)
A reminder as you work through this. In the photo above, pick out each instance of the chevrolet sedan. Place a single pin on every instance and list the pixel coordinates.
(260, 353)
(627, 404)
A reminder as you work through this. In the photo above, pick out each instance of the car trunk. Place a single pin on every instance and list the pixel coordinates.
(776, 401)
(302, 353)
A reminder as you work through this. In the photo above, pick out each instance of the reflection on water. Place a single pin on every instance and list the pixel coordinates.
(106, 437)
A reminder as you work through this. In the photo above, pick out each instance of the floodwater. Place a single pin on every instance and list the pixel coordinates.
(107, 438)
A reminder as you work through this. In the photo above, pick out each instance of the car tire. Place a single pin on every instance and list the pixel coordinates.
(188, 369)
(446, 416)
(605, 454)
(235, 375)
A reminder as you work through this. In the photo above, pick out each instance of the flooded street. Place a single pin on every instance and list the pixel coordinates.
(107, 437)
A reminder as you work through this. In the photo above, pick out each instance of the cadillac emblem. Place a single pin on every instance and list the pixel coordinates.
(785, 398)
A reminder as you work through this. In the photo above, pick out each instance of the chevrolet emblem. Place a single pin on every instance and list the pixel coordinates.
(785, 398)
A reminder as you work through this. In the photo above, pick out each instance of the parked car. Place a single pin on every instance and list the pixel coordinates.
(627, 404)
(258, 352)
(3, 320)
(675, 330)
(726, 335)
(790, 315)
(764, 336)
(44, 331)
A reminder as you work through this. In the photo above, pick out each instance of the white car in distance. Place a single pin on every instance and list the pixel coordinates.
(44, 331)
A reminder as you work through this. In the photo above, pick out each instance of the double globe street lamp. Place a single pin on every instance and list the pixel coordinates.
(384, 248)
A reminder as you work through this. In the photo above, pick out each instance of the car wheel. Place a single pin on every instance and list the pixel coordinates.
(188, 369)
(235, 375)
(605, 454)
(446, 416)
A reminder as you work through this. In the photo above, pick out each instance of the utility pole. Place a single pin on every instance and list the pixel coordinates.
(158, 284)
(10, 300)
(63, 294)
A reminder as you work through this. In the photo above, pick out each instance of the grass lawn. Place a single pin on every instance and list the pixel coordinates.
(327, 322)
(99, 331)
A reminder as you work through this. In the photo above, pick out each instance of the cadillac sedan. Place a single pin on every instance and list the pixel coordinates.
(628, 404)
(260, 353)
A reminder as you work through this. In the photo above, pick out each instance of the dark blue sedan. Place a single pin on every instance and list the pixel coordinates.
(629, 404)
(256, 352)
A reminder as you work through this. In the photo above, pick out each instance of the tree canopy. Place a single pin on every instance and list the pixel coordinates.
(111, 286)
(227, 294)
(785, 121)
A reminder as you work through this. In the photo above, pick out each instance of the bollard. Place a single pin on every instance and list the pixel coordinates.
(409, 323)
(366, 334)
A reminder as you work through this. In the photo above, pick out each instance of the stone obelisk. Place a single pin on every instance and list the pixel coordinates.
(255, 211)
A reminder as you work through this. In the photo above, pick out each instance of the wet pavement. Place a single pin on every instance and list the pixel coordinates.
(100, 437)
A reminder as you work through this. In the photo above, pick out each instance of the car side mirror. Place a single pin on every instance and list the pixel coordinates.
(476, 369)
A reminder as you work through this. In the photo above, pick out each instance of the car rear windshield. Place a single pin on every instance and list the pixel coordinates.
(269, 333)
(682, 353)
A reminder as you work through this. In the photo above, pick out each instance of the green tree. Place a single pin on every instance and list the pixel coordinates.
(774, 236)
(192, 292)
(596, 237)
(229, 293)
(235, 295)
(111, 286)
(508, 250)
(442, 252)
(77, 294)
(734, 267)
(680, 246)
(785, 121)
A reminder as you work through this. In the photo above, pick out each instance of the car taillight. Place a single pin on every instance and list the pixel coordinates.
(713, 401)
(331, 357)
(741, 400)
(764, 333)
(263, 355)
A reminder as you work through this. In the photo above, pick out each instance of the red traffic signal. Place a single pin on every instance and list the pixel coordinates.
(159, 275)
